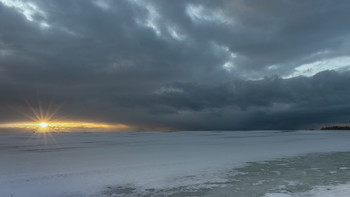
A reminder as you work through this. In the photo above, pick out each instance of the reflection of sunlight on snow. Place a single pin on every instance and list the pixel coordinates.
(41, 137)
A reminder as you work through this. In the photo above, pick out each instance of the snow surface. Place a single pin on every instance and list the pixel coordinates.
(87, 164)
(342, 190)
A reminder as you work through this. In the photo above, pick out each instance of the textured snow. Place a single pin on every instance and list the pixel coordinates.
(342, 190)
(86, 164)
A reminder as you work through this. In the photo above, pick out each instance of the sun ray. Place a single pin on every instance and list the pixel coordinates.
(50, 115)
(37, 116)
(42, 127)
(48, 111)
(44, 120)
(41, 113)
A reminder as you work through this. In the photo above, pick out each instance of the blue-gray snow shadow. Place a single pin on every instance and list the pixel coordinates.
(286, 175)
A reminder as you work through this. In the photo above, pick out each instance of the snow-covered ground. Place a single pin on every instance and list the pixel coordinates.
(193, 163)
(342, 190)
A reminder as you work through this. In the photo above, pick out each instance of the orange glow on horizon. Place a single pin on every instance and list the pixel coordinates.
(43, 120)
(46, 126)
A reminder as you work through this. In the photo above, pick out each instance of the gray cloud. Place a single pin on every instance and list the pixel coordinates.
(179, 64)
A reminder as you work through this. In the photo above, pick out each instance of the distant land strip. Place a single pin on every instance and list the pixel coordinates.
(336, 128)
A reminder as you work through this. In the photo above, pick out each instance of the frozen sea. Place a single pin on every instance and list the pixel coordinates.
(177, 164)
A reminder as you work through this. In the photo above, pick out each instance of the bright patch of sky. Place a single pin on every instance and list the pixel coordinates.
(174, 33)
(103, 4)
(151, 20)
(199, 13)
(310, 69)
(154, 21)
(29, 11)
(229, 62)
(3, 50)
(169, 90)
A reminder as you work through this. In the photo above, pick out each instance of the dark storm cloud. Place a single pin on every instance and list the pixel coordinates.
(177, 64)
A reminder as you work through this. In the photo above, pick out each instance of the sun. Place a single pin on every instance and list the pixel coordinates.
(43, 124)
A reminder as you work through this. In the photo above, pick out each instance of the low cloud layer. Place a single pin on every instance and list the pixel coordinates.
(177, 65)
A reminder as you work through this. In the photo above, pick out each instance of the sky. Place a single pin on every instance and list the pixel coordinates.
(177, 65)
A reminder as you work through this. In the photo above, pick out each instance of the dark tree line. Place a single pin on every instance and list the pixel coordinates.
(336, 128)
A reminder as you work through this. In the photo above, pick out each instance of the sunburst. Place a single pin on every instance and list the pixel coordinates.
(44, 124)
(44, 121)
